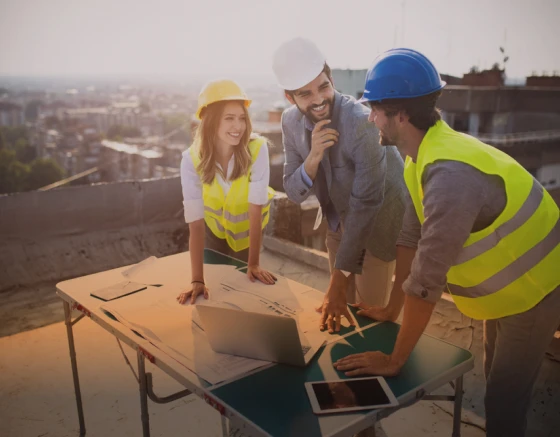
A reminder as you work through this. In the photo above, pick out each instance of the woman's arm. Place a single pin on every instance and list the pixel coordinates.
(258, 197)
(196, 250)
(193, 207)
(254, 271)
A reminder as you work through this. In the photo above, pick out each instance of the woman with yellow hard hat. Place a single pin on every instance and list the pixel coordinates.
(224, 176)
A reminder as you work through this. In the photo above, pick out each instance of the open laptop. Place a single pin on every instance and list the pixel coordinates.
(260, 336)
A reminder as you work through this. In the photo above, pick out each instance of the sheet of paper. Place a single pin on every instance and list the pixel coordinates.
(174, 271)
(138, 267)
(283, 298)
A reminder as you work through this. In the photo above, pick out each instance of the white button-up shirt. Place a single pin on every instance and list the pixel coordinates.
(192, 185)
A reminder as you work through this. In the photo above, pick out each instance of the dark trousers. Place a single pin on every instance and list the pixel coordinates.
(514, 348)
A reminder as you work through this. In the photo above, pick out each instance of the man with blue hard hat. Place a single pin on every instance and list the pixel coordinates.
(478, 226)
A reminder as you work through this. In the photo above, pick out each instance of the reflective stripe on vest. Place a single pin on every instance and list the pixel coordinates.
(234, 218)
(529, 207)
(508, 267)
(239, 235)
(515, 270)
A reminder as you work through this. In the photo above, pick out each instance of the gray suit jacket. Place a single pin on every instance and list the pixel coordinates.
(364, 180)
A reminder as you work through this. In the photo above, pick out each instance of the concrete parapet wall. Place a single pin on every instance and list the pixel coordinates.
(73, 231)
(285, 219)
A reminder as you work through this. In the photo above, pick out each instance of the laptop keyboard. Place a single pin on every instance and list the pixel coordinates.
(305, 349)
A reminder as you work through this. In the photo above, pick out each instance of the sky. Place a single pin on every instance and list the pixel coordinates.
(219, 38)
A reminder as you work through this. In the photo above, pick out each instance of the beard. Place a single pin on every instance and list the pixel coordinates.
(384, 140)
(311, 115)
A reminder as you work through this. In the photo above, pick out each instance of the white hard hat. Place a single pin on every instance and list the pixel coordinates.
(296, 63)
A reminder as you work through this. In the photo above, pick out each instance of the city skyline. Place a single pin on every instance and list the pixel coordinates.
(217, 38)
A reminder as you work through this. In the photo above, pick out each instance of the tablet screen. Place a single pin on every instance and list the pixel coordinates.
(350, 393)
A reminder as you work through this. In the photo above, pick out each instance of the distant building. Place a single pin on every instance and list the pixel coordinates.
(122, 114)
(11, 114)
(450, 80)
(543, 81)
(349, 82)
(53, 109)
(119, 162)
(492, 77)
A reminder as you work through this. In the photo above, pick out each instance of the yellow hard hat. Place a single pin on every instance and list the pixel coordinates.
(219, 90)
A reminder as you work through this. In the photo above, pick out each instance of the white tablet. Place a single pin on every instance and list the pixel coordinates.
(354, 394)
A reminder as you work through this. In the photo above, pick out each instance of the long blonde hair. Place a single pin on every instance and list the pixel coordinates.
(205, 141)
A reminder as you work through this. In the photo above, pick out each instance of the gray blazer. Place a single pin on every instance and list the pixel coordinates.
(364, 180)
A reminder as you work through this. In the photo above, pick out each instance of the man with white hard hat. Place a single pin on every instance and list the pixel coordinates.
(333, 152)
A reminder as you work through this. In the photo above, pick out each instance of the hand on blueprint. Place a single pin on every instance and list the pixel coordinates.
(367, 363)
(255, 272)
(334, 304)
(198, 289)
(375, 312)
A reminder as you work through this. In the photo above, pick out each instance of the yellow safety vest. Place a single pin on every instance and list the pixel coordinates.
(510, 266)
(228, 216)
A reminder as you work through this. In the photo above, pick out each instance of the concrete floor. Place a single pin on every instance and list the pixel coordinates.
(37, 397)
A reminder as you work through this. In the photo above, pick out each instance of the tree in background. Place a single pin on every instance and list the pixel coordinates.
(13, 174)
(13, 134)
(16, 176)
(43, 172)
(24, 152)
(19, 168)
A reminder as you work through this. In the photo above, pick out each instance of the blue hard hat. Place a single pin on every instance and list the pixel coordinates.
(401, 74)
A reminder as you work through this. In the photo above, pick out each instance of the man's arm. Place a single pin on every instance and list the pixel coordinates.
(454, 194)
(417, 313)
(366, 198)
(365, 201)
(295, 186)
(407, 244)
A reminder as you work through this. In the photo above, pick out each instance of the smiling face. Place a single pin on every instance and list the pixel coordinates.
(233, 124)
(316, 99)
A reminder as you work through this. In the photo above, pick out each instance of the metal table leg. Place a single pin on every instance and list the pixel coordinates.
(143, 394)
(68, 323)
(225, 427)
(457, 407)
